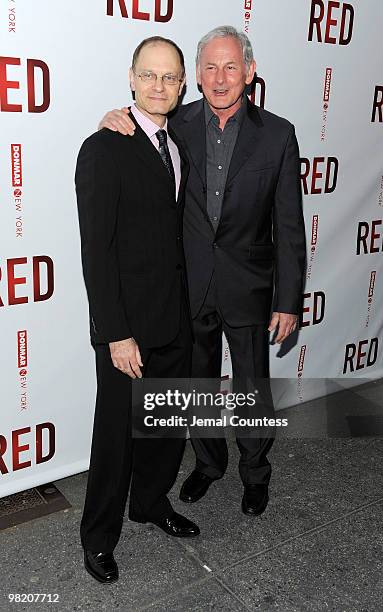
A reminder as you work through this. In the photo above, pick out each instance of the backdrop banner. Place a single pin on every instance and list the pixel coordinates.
(62, 66)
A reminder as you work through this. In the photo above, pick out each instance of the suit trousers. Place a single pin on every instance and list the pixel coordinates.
(249, 350)
(149, 466)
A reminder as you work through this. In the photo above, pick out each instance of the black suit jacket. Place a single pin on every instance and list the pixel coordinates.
(131, 238)
(258, 251)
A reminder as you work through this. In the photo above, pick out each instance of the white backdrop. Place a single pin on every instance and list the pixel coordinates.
(81, 57)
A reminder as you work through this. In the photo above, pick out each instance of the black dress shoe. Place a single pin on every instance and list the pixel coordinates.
(175, 525)
(102, 566)
(255, 499)
(195, 487)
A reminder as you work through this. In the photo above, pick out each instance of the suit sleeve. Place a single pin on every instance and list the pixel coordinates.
(288, 232)
(98, 191)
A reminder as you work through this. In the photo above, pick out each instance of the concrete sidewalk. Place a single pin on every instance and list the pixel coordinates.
(318, 546)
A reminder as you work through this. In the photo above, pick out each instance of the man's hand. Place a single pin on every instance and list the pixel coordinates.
(126, 357)
(287, 323)
(118, 121)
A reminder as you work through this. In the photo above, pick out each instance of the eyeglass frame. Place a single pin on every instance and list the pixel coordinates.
(151, 80)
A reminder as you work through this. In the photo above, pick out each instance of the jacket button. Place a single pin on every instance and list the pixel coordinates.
(178, 237)
(215, 245)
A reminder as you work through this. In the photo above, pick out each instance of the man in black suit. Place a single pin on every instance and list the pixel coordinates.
(244, 241)
(130, 195)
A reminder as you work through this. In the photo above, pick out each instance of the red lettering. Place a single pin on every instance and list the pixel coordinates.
(5, 106)
(1, 301)
(360, 355)
(3, 448)
(109, 8)
(18, 448)
(304, 173)
(377, 104)
(374, 236)
(169, 13)
(137, 14)
(32, 64)
(316, 174)
(38, 296)
(40, 458)
(330, 22)
(315, 20)
(305, 309)
(347, 8)
(330, 188)
(15, 280)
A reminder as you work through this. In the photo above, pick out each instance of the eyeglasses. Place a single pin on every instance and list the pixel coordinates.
(147, 76)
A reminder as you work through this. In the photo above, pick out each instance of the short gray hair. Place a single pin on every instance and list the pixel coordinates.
(224, 32)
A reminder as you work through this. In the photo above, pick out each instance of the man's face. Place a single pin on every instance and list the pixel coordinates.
(222, 72)
(156, 98)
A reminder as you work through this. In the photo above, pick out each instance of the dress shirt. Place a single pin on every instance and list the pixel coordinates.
(219, 150)
(150, 128)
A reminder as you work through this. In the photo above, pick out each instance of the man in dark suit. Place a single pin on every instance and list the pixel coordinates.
(130, 195)
(243, 237)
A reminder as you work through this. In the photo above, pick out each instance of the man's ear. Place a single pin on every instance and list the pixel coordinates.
(250, 73)
(182, 85)
(198, 74)
(131, 79)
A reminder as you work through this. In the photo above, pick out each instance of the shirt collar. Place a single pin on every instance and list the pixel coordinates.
(238, 115)
(150, 128)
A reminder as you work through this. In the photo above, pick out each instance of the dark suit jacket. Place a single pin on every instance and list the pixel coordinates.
(131, 238)
(259, 247)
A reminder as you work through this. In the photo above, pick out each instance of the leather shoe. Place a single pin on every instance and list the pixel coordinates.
(255, 499)
(102, 566)
(195, 487)
(175, 525)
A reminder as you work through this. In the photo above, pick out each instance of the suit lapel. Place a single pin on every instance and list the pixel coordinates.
(248, 140)
(184, 162)
(148, 153)
(194, 138)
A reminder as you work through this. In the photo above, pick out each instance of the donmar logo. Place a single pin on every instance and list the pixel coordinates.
(369, 237)
(370, 296)
(372, 284)
(314, 230)
(314, 240)
(327, 84)
(12, 17)
(321, 179)
(301, 360)
(377, 106)
(17, 176)
(43, 94)
(331, 22)
(326, 99)
(22, 362)
(247, 15)
(39, 280)
(22, 355)
(162, 10)
(380, 194)
(17, 181)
